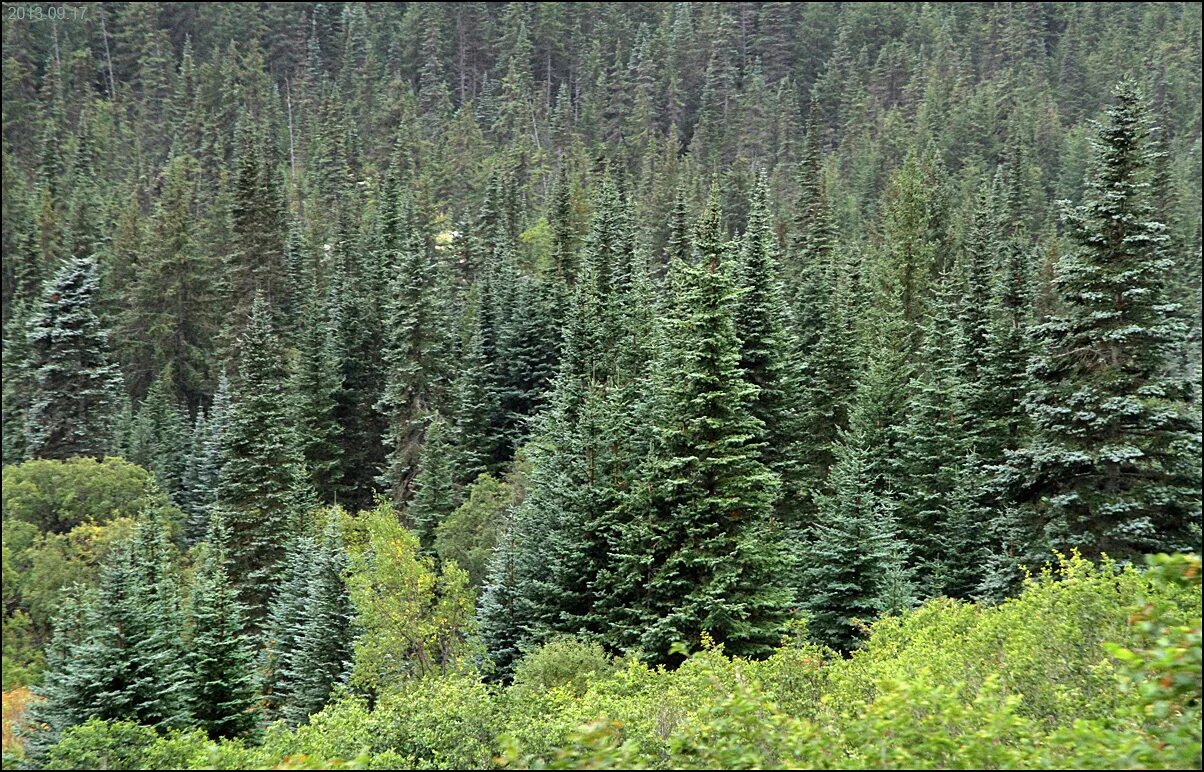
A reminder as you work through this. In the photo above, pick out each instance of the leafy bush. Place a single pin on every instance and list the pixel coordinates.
(469, 534)
(1090, 667)
(565, 662)
(57, 496)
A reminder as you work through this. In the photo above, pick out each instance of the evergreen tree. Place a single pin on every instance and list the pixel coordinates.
(287, 615)
(831, 380)
(161, 439)
(203, 471)
(768, 357)
(18, 385)
(316, 381)
(118, 652)
(77, 389)
(416, 355)
(436, 492)
(359, 337)
(474, 404)
(852, 568)
(697, 552)
(1114, 463)
(171, 319)
(931, 452)
(322, 658)
(220, 652)
(263, 488)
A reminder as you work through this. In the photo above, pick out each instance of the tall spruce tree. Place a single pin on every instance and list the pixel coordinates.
(316, 381)
(416, 353)
(263, 488)
(77, 388)
(322, 658)
(221, 654)
(697, 553)
(1114, 463)
(768, 355)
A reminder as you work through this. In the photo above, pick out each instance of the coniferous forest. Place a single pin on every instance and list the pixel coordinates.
(599, 385)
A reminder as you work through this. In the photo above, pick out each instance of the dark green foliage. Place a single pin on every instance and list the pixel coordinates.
(768, 357)
(359, 337)
(263, 488)
(417, 330)
(221, 654)
(316, 382)
(160, 438)
(76, 387)
(436, 492)
(172, 317)
(1113, 463)
(466, 239)
(852, 568)
(696, 548)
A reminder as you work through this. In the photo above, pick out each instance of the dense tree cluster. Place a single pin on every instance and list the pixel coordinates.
(646, 323)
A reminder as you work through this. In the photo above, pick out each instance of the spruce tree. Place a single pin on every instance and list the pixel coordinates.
(18, 384)
(203, 471)
(831, 377)
(696, 552)
(161, 438)
(118, 651)
(221, 654)
(322, 658)
(359, 338)
(286, 617)
(852, 568)
(436, 492)
(263, 488)
(172, 317)
(768, 356)
(416, 354)
(931, 452)
(1114, 463)
(77, 389)
(316, 381)
(474, 405)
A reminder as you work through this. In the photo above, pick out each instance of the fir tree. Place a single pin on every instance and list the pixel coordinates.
(691, 552)
(263, 488)
(931, 451)
(161, 439)
(322, 658)
(203, 471)
(220, 652)
(768, 356)
(436, 492)
(77, 389)
(118, 652)
(1114, 463)
(416, 355)
(852, 568)
(316, 381)
(172, 318)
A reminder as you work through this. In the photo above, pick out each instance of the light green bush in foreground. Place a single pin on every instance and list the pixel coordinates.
(1091, 667)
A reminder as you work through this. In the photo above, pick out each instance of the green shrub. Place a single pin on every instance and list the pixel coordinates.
(565, 662)
(1090, 667)
(57, 496)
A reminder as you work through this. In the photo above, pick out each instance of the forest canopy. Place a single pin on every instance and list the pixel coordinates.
(641, 385)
